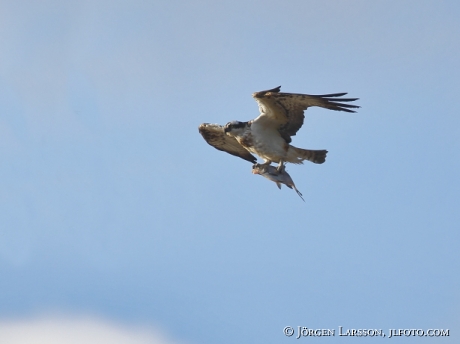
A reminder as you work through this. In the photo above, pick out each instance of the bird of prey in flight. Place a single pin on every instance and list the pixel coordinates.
(269, 135)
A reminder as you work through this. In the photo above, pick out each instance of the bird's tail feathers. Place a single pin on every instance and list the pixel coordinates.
(297, 155)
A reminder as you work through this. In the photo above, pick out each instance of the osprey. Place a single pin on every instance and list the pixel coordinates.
(269, 135)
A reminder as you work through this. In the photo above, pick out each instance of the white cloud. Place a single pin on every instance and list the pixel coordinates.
(82, 330)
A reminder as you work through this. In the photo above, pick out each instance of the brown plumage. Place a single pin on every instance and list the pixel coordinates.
(269, 135)
(290, 107)
(215, 136)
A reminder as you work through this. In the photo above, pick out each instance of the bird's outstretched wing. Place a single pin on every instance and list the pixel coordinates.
(286, 110)
(215, 136)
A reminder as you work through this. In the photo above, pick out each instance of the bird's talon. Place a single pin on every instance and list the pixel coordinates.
(280, 168)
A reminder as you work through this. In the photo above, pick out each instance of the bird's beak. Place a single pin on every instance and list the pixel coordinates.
(226, 130)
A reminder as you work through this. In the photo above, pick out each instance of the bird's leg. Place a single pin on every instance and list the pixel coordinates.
(265, 164)
(281, 166)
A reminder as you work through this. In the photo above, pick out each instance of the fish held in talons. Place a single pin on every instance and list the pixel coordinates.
(279, 177)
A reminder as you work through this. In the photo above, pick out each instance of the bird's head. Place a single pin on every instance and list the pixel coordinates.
(235, 127)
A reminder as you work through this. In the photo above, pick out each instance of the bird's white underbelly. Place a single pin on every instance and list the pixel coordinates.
(269, 145)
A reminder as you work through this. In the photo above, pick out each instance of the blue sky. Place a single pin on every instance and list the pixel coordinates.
(114, 210)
